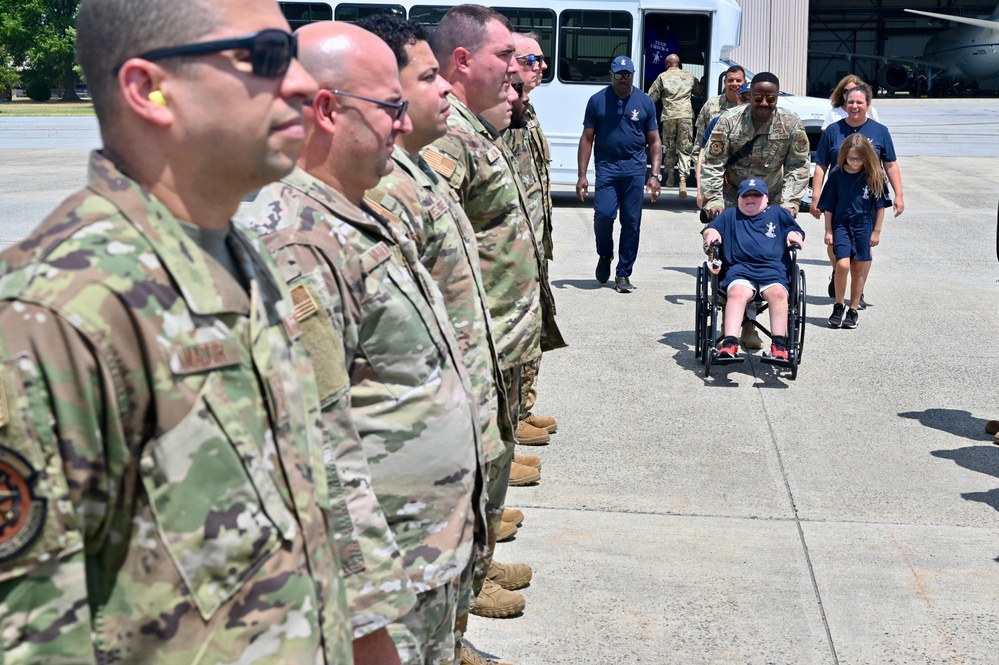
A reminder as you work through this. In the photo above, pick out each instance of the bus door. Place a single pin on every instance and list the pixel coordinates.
(685, 34)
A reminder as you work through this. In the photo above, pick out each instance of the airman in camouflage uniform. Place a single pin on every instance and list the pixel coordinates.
(162, 484)
(735, 76)
(529, 149)
(673, 88)
(472, 159)
(379, 335)
(760, 140)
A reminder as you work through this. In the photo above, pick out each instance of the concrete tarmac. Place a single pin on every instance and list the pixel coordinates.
(848, 516)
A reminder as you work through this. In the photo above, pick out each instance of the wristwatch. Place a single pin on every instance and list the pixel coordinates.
(658, 176)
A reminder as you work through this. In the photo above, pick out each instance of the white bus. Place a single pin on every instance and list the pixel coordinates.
(579, 39)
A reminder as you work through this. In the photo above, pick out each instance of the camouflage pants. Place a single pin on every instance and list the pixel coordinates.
(529, 386)
(425, 635)
(677, 145)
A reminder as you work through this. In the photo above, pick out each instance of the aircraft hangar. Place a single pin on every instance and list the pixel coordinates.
(882, 28)
(804, 48)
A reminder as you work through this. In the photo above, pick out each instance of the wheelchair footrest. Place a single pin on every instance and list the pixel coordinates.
(770, 360)
(717, 360)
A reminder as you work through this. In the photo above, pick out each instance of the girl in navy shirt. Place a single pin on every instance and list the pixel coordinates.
(854, 207)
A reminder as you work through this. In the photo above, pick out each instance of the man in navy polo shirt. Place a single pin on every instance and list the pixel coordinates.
(621, 121)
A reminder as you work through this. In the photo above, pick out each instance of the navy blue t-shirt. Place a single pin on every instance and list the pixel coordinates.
(755, 248)
(619, 125)
(848, 197)
(828, 150)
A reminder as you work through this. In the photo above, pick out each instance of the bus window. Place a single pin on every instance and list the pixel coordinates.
(427, 15)
(301, 13)
(353, 13)
(542, 23)
(588, 41)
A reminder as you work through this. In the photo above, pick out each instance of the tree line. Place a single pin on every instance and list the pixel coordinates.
(37, 48)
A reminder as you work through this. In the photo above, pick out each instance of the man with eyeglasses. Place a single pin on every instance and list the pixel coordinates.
(446, 243)
(397, 402)
(475, 49)
(163, 490)
(529, 148)
(674, 88)
(620, 128)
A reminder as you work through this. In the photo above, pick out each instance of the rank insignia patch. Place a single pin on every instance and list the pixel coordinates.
(22, 514)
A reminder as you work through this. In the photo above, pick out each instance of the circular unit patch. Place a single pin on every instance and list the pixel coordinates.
(22, 514)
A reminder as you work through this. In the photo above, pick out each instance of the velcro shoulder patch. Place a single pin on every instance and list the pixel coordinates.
(440, 162)
(716, 148)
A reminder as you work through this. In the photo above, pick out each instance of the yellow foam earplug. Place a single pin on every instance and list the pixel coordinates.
(156, 97)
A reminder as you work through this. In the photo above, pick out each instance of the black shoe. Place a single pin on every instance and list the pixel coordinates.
(851, 320)
(832, 286)
(836, 320)
(863, 303)
(622, 284)
(603, 269)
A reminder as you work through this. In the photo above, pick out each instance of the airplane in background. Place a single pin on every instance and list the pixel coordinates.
(961, 56)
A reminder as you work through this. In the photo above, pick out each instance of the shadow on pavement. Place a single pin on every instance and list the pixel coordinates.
(983, 459)
(581, 284)
(952, 421)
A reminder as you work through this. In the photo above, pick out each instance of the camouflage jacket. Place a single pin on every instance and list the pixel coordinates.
(673, 88)
(381, 342)
(476, 165)
(161, 472)
(446, 244)
(779, 156)
(543, 160)
(712, 108)
(518, 142)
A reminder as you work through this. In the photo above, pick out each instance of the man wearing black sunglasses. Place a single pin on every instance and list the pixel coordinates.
(620, 127)
(760, 140)
(529, 148)
(396, 399)
(162, 479)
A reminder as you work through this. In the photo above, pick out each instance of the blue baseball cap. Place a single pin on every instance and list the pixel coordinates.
(622, 63)
(745, 88)
(753, 185)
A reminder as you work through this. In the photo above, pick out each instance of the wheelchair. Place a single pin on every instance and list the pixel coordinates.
(711, 306)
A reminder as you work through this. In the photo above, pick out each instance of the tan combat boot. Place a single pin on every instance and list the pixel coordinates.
(470, 656)
(683, 188)
(750, 338)
(532, 461)
(507, 531)
(513, 516)
(510, 576)
(523, 475)
(529, 435)
(495, 602)
(546, 423)
(670, 178)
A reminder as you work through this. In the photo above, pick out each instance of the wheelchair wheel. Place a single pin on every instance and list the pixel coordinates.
(796, 329)
(701, 314)
(711, 332)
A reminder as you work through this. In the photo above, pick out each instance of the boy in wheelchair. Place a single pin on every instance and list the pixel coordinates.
(754, 239)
